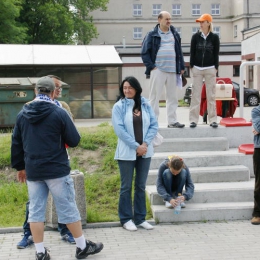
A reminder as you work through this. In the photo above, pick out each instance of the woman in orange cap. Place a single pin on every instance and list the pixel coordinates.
(204, 62)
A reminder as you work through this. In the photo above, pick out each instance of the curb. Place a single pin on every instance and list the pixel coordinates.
(87, 226)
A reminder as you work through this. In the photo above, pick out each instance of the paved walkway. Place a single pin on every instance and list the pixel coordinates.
(209, 240)
(226, 240)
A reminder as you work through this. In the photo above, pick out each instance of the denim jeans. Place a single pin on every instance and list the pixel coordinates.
(62, 228)
(177, 181)
(125, 211)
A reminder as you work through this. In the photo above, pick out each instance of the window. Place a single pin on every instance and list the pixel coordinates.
(196, 9)
(216, 30)
(236, 70)
(195, 29)
(156, 9)
(235, 31)
(215, 9)
(137, 10)
(176, 9)
(178, 29)
(138, 33)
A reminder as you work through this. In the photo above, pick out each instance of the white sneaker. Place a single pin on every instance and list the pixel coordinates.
(183, 205)
(146, 225)
(129, 225)
(168, 205)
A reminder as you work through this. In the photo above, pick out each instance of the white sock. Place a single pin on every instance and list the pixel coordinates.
(80, 242)
(39, 247)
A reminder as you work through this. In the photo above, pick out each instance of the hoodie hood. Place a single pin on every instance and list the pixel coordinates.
(37, 110)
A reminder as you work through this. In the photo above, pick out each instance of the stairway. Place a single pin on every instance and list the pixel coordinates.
(223, 177)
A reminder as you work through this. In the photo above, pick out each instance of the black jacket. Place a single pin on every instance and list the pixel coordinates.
(151, 45)
(204, 53)
(38, 142)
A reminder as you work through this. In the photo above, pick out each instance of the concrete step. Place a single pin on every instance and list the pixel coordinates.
(212, 192)
(207, 159)
(235, 135)
(210, 174)
(218, 211)
(193, 144)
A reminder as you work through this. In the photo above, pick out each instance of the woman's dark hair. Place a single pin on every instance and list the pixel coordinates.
(134, 83)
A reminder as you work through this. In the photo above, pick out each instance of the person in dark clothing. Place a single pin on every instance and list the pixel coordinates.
(204, 62)
(256, 164)
(39, 155)
(66, 236)
(173, 175)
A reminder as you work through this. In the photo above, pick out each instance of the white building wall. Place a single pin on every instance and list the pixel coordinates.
(251, 46)
(119, 21)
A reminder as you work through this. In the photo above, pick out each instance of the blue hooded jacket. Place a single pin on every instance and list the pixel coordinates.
(38, 142)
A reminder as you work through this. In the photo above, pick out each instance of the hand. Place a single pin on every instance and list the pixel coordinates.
(182, 72)
(173, 202)
(255, 132)
(141, 149)
(21, 176)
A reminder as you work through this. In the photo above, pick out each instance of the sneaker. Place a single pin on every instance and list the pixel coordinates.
(43, 256)
(25, 242)
(214, 125)
(146, 225)
(129, 225)
(183, 205)
(176, 125)
(90, 249)
(68, 238)
(168, 205)
(255, 221)
(193, 124)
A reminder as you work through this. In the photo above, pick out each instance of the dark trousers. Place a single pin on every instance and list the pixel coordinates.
(26, 226)
(256, 164)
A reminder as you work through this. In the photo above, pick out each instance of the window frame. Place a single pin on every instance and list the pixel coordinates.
(214, 9)
(136, 9)
(177, 9)
(156, 10)
(196, 9)
(137, 32)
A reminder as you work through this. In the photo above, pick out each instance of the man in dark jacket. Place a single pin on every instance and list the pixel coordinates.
(39, 155)
(162, 55)
(66, 236)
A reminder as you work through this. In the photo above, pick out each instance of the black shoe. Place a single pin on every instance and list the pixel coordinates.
(43, 256)
(193, 124)
(90, 249)
(176, 125)
(214, 125)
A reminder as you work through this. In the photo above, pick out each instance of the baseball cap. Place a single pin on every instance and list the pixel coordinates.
(45, 84)
(205, 17)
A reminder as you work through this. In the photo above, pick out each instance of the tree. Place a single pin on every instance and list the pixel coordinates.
(11, 31)
(60, 21)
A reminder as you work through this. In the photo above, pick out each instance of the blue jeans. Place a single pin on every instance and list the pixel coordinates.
(125, 212)
(178, 181)
(62, 228)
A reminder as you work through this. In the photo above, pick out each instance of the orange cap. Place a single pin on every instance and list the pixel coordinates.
(205, 17)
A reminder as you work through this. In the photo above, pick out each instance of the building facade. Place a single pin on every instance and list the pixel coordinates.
(126, 22)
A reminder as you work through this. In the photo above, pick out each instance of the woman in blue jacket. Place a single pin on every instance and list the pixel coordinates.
(136, 125)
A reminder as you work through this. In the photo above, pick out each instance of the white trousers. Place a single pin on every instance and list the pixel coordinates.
(210, 81)
(159, 79)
